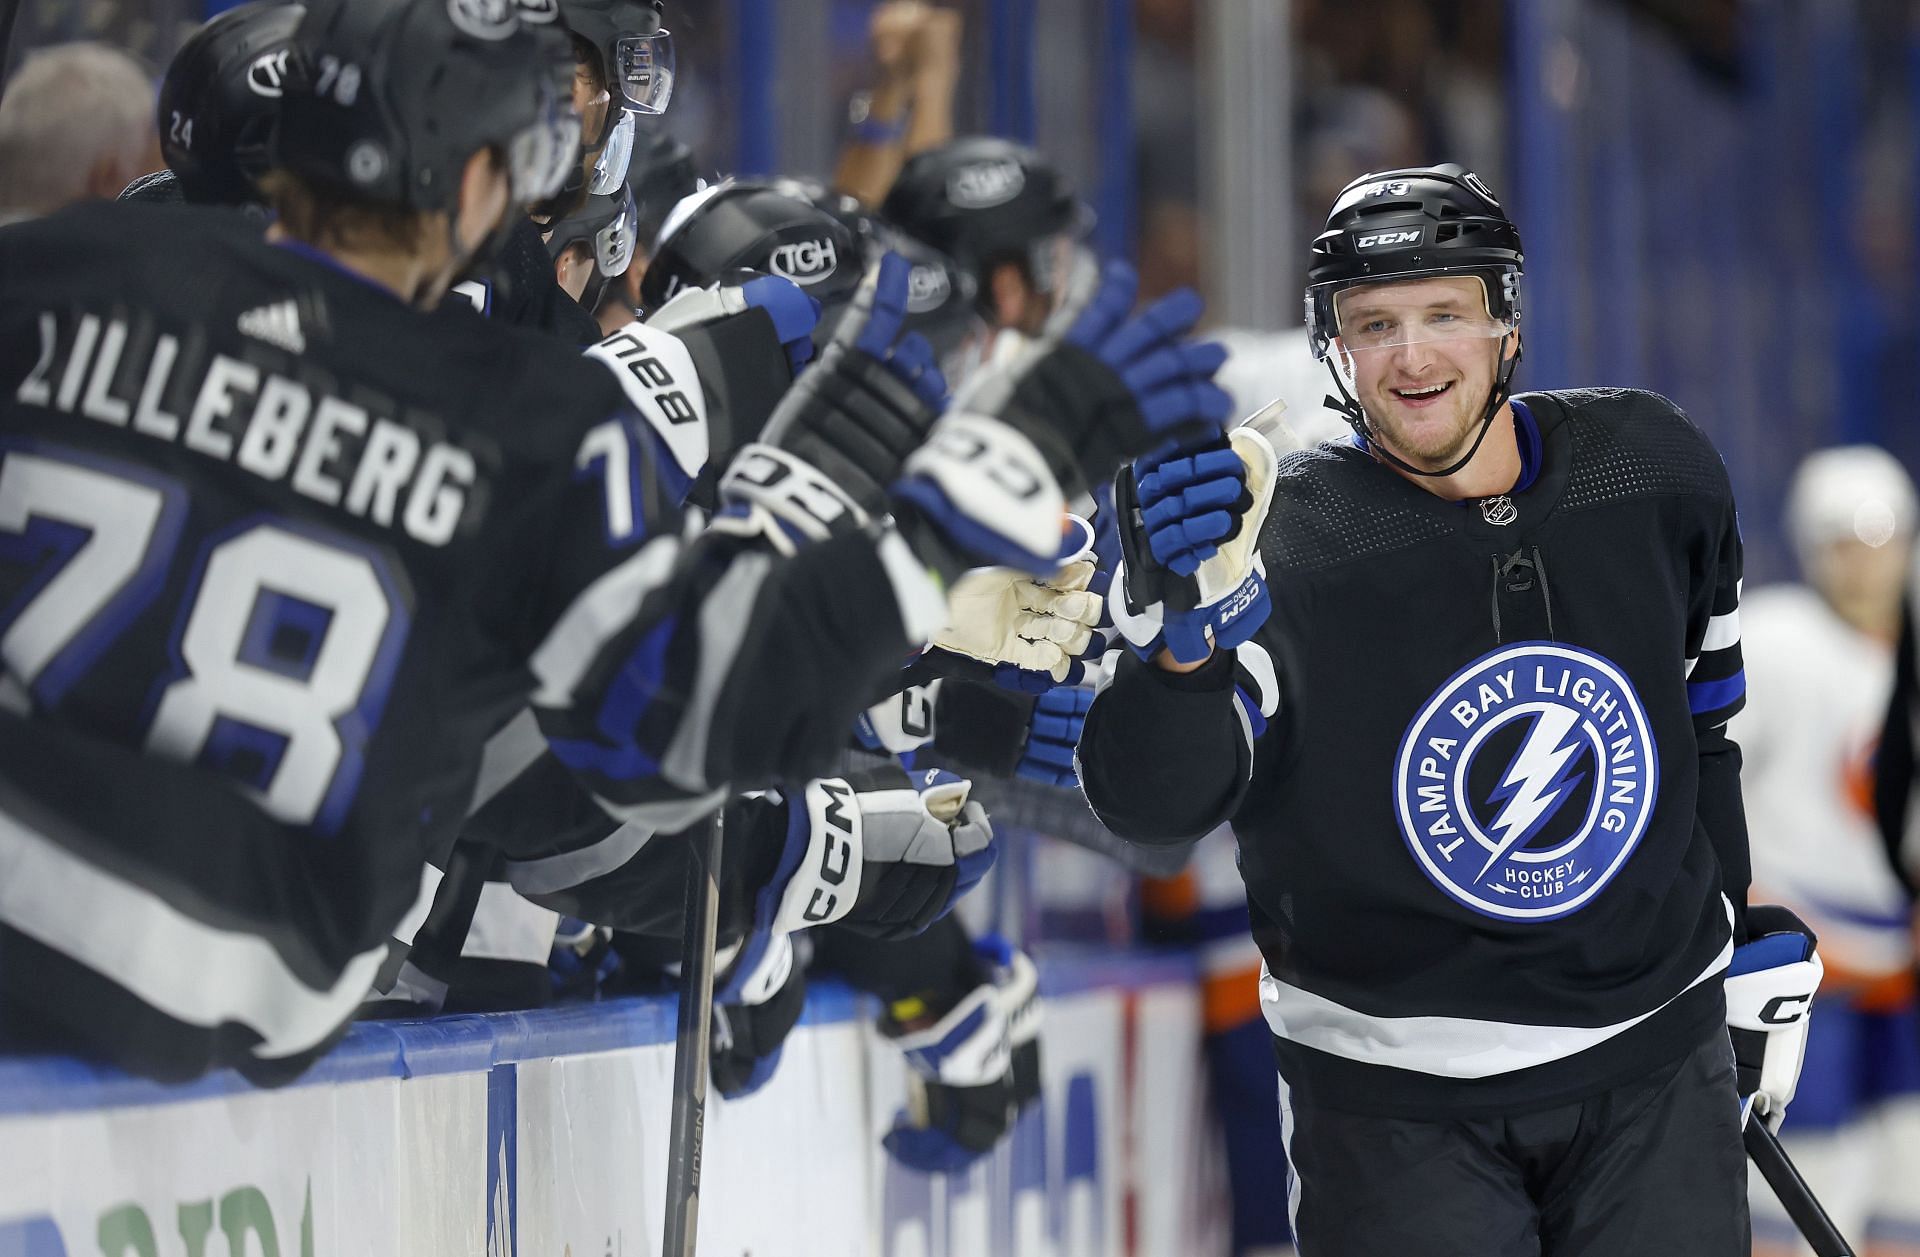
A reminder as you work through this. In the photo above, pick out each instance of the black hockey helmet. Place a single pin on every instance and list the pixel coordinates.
(940, 293)
(1415, 223)
(662, 175)
(636, 52)
(389, 98)
(737, 226)
(981, 199)
(220, 97)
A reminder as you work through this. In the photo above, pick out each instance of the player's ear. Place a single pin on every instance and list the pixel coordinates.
(1510, 348)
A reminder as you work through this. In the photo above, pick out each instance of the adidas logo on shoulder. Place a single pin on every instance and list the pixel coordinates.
(277, 324)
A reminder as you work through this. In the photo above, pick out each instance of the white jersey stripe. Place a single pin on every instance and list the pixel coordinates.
(193, 972)
(1448, 1047)
(1722, 631)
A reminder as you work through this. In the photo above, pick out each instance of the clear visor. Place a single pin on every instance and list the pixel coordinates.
(1424, 309)
(643, 72)
(613, 243)
(540, 158)
(610, 167)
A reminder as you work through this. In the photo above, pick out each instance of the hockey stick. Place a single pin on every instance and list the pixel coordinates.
(1771, 1159)
(691, 1043)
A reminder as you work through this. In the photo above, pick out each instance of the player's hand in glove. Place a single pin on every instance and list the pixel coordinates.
(840, 435)
(754, 1009)
(984, 728)
(1191, 578)
(1770, 988)
(1113, 385)
(1025, 633)
(887, 858)
(975, 1066)
(1054, 735)
(1058, 419)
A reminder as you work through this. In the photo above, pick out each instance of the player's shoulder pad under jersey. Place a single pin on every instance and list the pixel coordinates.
(656, 372)
(1631, 442)
(1333, 503)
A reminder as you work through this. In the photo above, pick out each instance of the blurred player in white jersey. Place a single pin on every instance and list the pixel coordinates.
(1819, 670)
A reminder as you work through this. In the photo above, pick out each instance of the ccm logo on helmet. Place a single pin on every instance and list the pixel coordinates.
(1387, 240)
(805, 261)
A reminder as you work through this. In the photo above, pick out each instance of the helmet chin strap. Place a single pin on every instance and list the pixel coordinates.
(1349, 407)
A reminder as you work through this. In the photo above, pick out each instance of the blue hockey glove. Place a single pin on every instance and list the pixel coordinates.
(974, 1067)
(1054, 735)
(794, 314)
(1191, 578)
(1110, 386)
(1770, 987)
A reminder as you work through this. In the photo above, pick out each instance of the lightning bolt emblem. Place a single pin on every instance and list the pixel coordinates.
(1536, 781)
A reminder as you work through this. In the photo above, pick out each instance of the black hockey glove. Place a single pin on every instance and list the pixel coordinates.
(856, 414)
(752, 1015)
(976, 1066)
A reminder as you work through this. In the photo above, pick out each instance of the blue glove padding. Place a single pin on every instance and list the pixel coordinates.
(1112, 387)
(910, 357)
(794, 314)
(1190, 523)
(1054, 734)
(1191, 501)
(1171, 380)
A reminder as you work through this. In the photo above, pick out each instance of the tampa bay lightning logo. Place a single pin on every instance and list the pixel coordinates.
(1527, 780)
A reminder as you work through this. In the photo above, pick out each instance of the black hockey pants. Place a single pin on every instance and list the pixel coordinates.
(1650, 1169)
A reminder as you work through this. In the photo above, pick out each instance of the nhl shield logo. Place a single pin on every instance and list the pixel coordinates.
(1527, 780)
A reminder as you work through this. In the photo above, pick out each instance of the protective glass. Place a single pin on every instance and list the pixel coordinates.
(643, 72)
(610, 167)
(541, 156)
(613, 244)
(1370, 317)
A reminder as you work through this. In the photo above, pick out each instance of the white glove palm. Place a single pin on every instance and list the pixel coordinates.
(1000, 615)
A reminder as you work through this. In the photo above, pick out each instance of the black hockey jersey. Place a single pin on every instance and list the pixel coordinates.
(1474, 764)
(263, 526)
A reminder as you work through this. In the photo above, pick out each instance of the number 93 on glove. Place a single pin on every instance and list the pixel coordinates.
(1191, 578)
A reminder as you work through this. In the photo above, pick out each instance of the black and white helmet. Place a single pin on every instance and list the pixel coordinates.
(741, 226)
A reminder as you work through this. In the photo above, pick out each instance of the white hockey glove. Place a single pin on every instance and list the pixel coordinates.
(1008, 620)
(1770, 988)
(1191, 578)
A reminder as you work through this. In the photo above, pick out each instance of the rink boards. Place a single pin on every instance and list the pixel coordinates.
(544, 1135)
